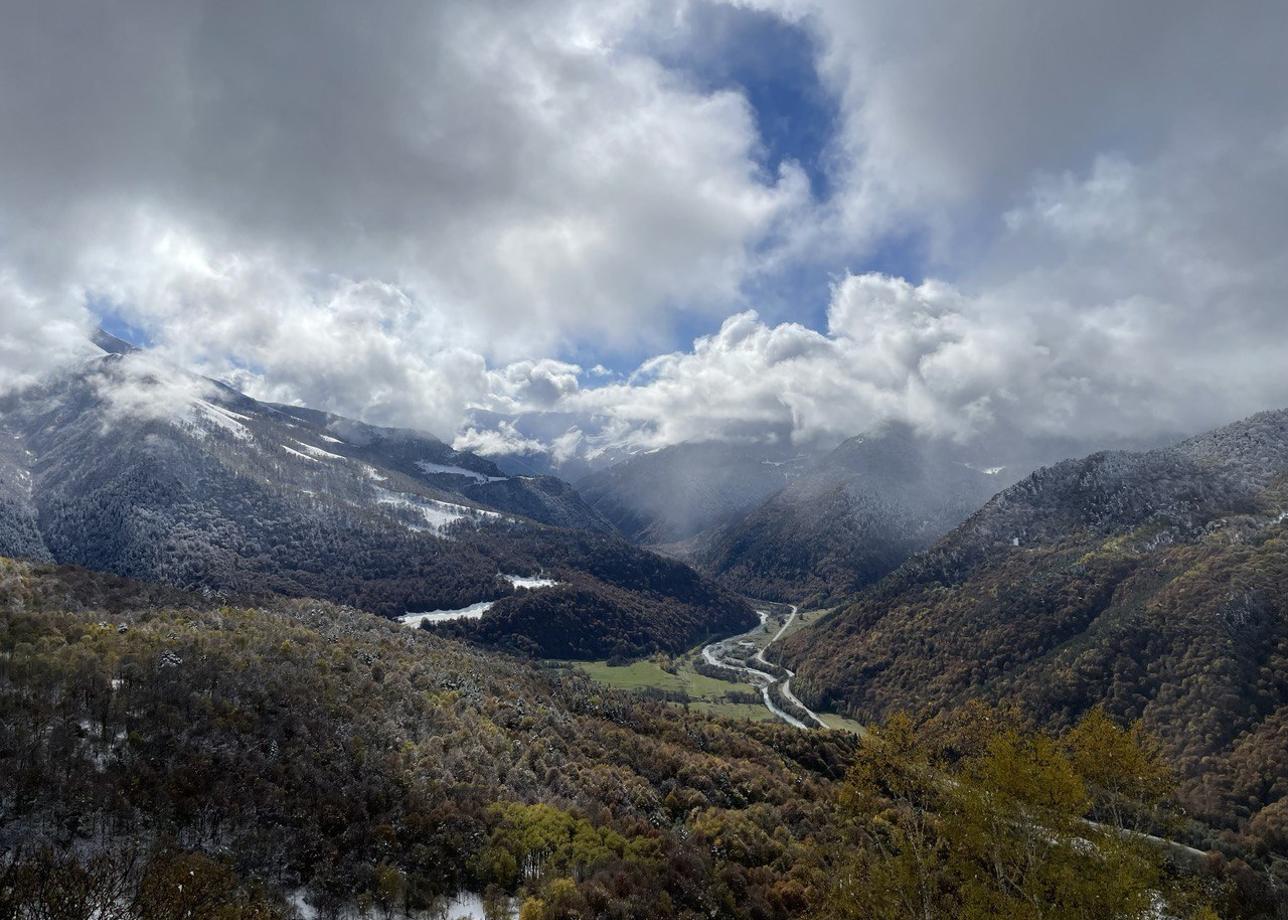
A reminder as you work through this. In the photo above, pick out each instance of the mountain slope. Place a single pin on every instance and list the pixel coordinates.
(317, 752)
(1152, 583)
(846, 520)
(135, 467)
(671, 494)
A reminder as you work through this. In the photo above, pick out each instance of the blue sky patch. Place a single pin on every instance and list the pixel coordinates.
(771, 61)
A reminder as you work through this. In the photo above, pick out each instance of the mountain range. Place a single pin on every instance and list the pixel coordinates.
(132, 466)
(1150, 583)
(1146, 584)
(795, 524)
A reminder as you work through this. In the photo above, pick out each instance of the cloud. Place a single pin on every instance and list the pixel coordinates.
(389, 188)
(438, 215)
(1104, 190)
(142, 386)
(1015, 362)
(38, 333)
(947, 118)
(501, 440)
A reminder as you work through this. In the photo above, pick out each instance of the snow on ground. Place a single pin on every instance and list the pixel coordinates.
(372, 473)
(464, 905)
(431, 468)
(536, 581)
(318, 453)
(437, 514)
(472, 612)
(301, 455)
(202, 416)
(327, 437)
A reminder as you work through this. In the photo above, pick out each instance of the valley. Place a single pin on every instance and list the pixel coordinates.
(487, 656)
(718, 677)
(316, 761)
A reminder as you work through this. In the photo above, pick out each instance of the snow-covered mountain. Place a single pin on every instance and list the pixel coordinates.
(131, 465)
(847, 518)
(669, 495)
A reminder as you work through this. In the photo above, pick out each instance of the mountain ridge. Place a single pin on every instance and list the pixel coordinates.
(1150, 583)
(132, 466)
(846, 519)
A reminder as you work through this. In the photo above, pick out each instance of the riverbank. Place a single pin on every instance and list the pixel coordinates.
(735, 677)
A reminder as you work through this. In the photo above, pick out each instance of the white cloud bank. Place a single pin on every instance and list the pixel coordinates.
(358, 205)
(404, 211)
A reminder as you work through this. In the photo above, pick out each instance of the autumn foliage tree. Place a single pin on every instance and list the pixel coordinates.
(1000, 821)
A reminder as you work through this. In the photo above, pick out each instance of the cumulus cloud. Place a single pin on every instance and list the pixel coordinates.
(501, 440)
(1105, 186)
(1016, 361)
(389, 189)
(439, 215)
(923, 353)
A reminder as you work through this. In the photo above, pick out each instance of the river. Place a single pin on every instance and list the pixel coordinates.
(732, 653)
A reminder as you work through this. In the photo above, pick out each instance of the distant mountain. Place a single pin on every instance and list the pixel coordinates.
(1152, 583)
(19, 527)
(669, 495)
(111, 344)
(846, 519)
(132, 466)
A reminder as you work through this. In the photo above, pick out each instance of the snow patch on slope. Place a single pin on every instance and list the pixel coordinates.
(318, 453)
(472, 612)
(301, 455)
(530, 582)
(202, 416)
(429, 468)
(436, 514)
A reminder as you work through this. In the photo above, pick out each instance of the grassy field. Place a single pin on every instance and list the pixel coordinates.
(639, 675)
(705, 694)
(841, 723)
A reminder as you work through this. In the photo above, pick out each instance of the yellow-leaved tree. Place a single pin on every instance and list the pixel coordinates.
(993, 820)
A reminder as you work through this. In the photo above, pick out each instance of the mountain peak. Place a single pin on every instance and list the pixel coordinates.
(113, 345)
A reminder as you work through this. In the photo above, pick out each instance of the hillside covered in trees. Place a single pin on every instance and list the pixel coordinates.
(312, 748)
(168, 756)
(132, 466)
(846, 519)
(1153, 584)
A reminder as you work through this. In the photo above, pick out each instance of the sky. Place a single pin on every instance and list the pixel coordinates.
(573, 227)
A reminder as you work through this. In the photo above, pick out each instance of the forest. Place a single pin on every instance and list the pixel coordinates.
(296, 749)
(213, 495)
(1150, 584)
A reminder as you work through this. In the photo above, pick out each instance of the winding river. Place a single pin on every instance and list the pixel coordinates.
(731, 654)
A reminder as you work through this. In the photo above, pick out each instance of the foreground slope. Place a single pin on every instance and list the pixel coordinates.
(314, 749)
(167, 756)
(133, 466)
(1153, 583)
